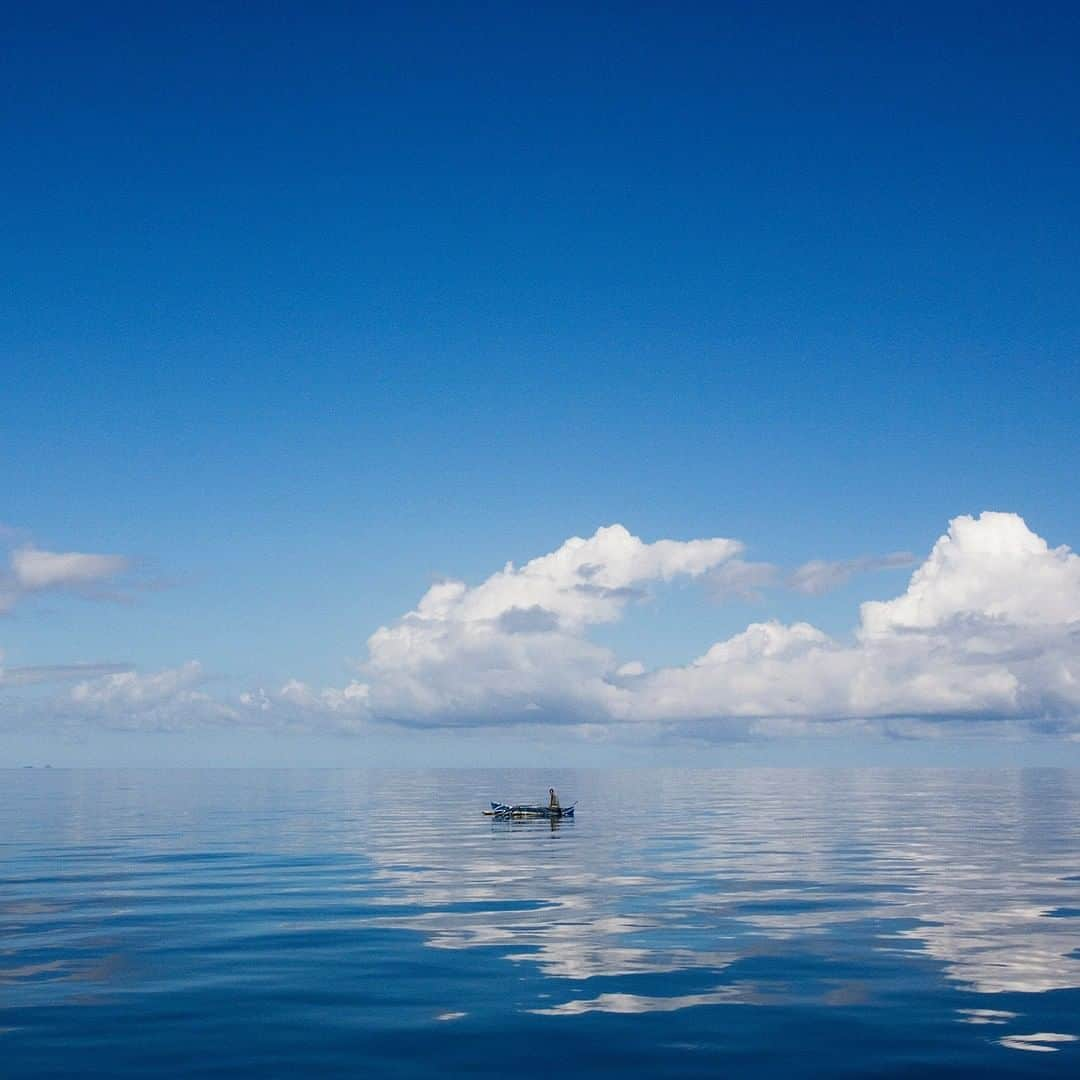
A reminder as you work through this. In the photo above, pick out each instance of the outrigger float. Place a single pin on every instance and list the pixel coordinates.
(505, 810)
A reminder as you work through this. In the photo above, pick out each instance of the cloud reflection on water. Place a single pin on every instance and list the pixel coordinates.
(965, 869)
(1041, 1041)
(672, 890)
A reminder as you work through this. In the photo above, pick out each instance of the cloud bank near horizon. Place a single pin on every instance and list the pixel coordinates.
(987, 630)
(985, 637)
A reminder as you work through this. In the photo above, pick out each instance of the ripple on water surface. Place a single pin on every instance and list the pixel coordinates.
(687, 923)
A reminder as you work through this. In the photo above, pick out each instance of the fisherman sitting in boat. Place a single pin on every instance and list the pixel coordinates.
(553, 799)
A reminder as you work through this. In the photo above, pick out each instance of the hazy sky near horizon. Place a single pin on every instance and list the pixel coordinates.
(315, 312)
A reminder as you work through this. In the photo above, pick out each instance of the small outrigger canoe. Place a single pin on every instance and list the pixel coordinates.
(505, 810)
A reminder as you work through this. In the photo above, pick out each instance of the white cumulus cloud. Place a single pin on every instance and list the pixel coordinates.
(33, 570)
(986, 635)
(988, 628)
(129, 688)
(993, 568)
(514, 645)
(157, 700)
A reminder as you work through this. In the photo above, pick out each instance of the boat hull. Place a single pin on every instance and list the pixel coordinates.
(506, 810)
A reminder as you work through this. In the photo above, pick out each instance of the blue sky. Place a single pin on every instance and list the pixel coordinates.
(307, 309)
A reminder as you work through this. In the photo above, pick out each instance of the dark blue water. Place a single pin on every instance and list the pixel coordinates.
(766, 923)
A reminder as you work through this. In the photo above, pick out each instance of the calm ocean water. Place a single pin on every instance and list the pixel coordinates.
(752, 922)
